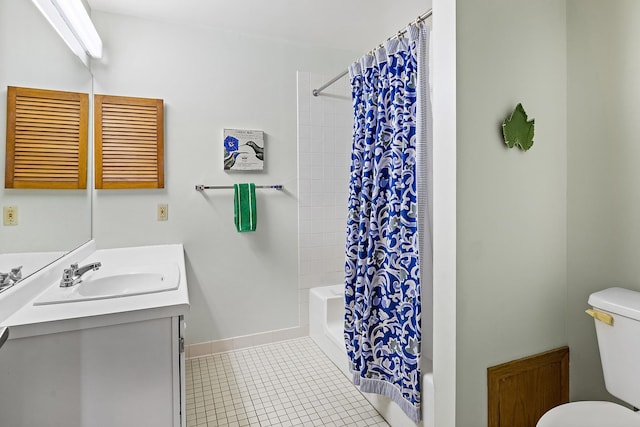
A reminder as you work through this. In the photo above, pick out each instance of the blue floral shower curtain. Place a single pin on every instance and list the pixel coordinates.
(382, 293)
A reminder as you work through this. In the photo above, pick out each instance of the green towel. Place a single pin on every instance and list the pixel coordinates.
(244, 207)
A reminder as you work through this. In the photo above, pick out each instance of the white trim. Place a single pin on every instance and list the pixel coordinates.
(444, 212)
(204, 349)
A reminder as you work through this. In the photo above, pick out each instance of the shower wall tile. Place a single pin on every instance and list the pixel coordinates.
(324, 146)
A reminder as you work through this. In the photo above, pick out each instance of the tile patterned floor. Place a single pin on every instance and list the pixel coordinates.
(289, 383)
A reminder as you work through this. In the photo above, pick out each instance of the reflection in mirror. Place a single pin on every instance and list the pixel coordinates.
(49, 222)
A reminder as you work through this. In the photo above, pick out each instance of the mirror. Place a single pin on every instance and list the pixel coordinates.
(50, 222)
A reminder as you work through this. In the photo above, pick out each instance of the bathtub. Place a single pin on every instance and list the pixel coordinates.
(326, 319)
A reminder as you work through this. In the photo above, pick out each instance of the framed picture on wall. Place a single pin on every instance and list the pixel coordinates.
(243, 150)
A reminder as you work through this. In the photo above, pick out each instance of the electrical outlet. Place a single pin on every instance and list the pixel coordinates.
(10, 215)
(163, 212)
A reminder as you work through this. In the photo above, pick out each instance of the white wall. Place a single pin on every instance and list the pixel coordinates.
(239, 283)
(32, 55)
(603, 154)
(511, 206)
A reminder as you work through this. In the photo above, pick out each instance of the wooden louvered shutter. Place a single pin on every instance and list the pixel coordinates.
(129, 142)
(46, 139)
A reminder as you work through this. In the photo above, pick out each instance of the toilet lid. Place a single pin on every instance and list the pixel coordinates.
(590, 414)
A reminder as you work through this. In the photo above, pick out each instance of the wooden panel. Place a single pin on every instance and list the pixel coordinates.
(46, 139)
(129, 142)
(521, 391)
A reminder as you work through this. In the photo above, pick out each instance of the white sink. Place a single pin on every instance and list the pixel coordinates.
(109, 282)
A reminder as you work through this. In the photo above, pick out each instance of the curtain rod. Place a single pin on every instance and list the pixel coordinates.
(399, 34)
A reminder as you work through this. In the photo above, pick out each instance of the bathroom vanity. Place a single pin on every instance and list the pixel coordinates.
(107, 351)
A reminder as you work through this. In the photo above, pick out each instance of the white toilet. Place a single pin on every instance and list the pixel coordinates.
(617, 317)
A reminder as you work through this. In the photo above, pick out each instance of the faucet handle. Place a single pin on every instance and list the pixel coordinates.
(16, 273)
(67, 277)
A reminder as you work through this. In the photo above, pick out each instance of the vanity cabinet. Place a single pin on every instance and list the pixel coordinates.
(119, 374)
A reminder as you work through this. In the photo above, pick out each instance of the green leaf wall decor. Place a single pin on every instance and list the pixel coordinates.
(517, 130)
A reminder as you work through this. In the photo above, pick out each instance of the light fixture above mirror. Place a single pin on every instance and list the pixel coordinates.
(72, 22)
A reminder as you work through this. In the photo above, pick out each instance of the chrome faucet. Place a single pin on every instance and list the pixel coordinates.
(7, 280)
(16, 274)
(73, 275)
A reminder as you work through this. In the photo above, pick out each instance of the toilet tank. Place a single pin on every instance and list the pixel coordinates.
(619, 343)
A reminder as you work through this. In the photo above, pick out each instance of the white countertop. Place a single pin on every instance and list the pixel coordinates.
(32, 320)
(30, 261)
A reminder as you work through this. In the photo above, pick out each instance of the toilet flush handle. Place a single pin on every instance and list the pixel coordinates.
(601, 316)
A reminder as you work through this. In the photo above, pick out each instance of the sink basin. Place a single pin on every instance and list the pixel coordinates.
(112, 283)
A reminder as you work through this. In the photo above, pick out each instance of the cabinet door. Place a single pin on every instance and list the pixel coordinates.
(119, 375)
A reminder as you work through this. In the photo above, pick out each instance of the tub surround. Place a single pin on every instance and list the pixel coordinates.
(325, 126)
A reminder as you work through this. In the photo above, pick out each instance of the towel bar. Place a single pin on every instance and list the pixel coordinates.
(201, 187)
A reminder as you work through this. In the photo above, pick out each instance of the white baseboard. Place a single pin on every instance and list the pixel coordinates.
(235, 343)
